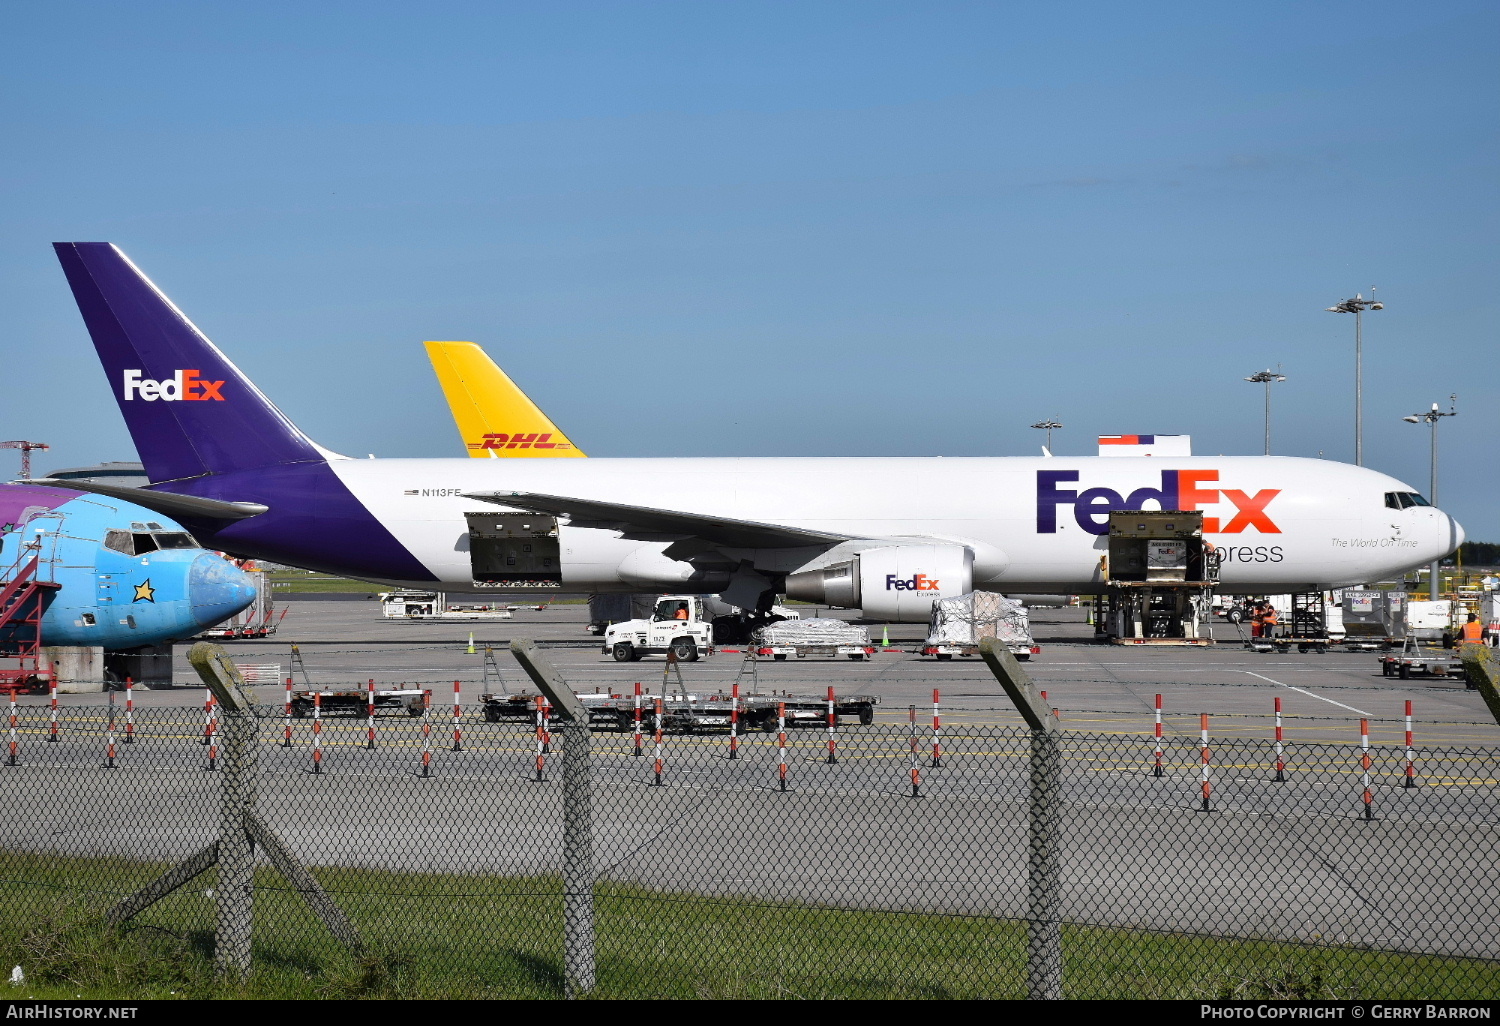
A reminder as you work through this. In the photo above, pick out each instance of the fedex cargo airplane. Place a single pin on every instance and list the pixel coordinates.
(887, 536)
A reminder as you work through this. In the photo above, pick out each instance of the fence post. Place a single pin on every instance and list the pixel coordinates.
(578, 818)
(240, 829)
(578, 858)
(1044, 962)
(234, 895)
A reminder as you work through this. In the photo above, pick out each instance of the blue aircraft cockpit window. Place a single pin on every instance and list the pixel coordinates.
(144, 543)
(174, 540)
(1417, 500)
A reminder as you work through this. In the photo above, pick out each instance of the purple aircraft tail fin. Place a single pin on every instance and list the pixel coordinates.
(190, 411)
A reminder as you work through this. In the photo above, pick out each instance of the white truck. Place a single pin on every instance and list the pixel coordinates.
(678, 624)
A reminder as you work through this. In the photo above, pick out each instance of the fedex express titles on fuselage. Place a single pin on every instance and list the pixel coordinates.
(230, 465)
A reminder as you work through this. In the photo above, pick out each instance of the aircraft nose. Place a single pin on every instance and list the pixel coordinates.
(1455, 532)
(217, 589)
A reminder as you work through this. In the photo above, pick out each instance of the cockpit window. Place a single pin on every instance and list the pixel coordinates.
(1404, 500)
(138, 543)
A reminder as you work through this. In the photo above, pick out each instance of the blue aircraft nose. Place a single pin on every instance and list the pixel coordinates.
(217, 589)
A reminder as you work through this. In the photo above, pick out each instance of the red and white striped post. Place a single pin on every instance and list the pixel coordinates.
(781, 742)
(541, 744)
(15, 739)
(833, 756)
(916, 773)
(1364, 762)
(1156, 769)
(546, 725)
(213, 733)
(109, 743)
(52, 736)
(426, 733)
(1207, 787)
(458, 731)
(129, 711)
(637, 752)
(1280, 751)
(734, 721)
(317, 740)
(370, 715)
(208, 715)
(286, 715)
(659, 767)
(1411, 769)
(937, 731)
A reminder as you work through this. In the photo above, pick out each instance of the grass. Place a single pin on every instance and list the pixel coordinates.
(452, 936)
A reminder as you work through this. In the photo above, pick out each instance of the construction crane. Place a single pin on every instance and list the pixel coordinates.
(25, 448)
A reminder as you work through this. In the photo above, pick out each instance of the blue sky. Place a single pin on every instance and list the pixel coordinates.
(778, 228)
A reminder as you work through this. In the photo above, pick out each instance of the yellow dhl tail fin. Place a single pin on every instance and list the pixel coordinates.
(494, 417)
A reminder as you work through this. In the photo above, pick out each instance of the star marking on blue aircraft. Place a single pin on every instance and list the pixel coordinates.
(144, 592)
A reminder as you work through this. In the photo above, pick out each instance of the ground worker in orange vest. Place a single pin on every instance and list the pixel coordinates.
(1268, 620)
(1471, 633)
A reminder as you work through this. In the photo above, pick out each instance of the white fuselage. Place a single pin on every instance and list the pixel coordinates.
(1034, 524)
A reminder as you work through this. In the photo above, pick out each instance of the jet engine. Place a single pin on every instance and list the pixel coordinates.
(889, 582)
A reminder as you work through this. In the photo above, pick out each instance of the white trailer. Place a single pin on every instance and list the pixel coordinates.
(433, 607)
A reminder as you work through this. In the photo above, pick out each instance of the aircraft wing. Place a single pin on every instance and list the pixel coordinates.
(168, 504)
(662, 524)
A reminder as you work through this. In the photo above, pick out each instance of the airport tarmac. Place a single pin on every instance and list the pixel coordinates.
(1140, 851)
(1095, 687)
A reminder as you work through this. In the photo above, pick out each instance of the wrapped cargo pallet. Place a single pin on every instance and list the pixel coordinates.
(964, 621)
(818, 631)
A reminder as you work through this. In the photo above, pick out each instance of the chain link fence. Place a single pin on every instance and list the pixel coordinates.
(866, 861)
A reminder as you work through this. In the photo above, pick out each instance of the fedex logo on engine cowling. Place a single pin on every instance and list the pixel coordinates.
(1180, 490)
(920, 582)
(185, 385)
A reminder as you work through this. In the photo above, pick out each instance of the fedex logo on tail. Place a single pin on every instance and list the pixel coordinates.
(1180, 489)
(185, 385)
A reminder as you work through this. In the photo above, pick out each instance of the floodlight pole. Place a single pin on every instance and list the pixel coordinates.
(1047, 426)
(1432, 417)
(1267, 377)
(1357, 306)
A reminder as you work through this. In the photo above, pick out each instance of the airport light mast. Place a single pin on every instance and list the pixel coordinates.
(1357, 306)
(1432, 417)
(1048, 426)
(1267, 377)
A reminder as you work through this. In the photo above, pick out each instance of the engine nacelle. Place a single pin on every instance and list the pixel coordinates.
(891, 582)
